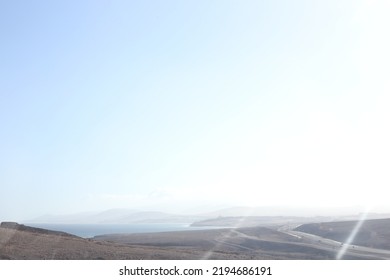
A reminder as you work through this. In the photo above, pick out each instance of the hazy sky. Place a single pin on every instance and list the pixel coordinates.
(175, 104)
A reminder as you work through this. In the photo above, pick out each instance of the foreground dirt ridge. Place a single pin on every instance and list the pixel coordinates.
(21, 227)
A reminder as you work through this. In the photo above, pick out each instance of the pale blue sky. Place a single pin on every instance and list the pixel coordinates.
(175, 104)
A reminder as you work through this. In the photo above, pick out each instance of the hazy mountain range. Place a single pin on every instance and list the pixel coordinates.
(125, 216)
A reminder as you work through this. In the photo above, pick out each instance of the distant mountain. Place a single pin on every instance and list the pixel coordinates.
(110, 215)
(65, 219)
(117, 216)
(126, 216)
(268, 216)
(152, 217)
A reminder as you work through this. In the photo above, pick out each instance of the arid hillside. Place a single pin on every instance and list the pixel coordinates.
(20, 242)
(372, 233)
(38, 244)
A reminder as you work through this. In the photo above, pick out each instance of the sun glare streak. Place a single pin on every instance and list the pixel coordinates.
(352, 236)
(239, 223)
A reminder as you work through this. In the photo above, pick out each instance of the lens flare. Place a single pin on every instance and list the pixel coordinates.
(352, 236)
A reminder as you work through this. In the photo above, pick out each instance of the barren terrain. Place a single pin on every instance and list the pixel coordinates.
(283, 242)
(372, 233)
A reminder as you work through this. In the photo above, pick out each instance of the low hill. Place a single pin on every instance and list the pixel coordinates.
(239, 243)
(20, 227)
(251, 221)
(372, 233)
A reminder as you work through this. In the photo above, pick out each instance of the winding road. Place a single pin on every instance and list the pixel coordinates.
(336, 246)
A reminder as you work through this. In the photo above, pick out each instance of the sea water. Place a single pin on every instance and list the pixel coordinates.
(91, 230)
